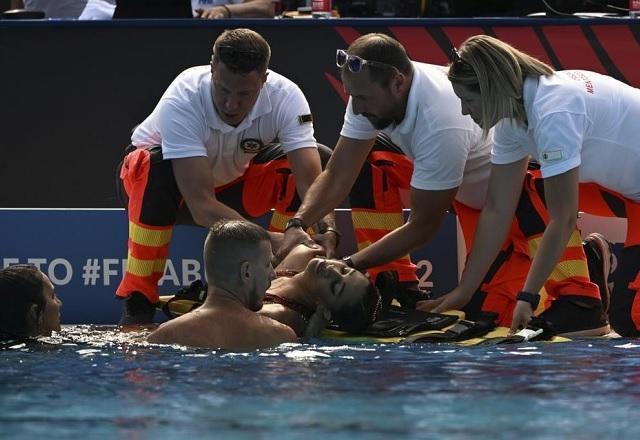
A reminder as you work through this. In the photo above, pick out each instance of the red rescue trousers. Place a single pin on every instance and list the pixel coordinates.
(377, 210)
(155, 206)
(508, 273)
(624, 312)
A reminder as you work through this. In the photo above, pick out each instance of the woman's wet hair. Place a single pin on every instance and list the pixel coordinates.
(497, 71)
(359, 315)
(21, 287)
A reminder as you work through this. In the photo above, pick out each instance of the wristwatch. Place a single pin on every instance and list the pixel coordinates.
(295, 222)
(531, 298)
(334, 230)
(348, 261)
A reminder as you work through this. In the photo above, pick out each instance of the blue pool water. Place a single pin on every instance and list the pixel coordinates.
(97, 383)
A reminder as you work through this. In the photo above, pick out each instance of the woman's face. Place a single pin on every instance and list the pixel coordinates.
(334, 283)
(50, 317)
(471, 102)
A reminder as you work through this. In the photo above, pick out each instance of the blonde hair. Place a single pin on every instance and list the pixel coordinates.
(496, 70)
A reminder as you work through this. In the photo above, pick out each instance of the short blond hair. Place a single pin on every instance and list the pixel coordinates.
(496, 70)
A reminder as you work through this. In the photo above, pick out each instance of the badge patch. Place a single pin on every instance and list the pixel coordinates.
(551, 155)
(305, 119)
(251, 146)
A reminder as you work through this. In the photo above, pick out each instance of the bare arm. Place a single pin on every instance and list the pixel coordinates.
(330, 187)
(247, 9)
(427, 211)
(505, 186)
(17, 4)
(306, 167)
(561, 194)
(195, 182)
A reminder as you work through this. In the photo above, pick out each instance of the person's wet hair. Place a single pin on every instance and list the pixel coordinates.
(21, 287)
(383, 49)
(242, 51)
(361, 314)
(226, 236)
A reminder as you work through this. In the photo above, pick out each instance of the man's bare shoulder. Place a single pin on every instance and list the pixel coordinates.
(223, 328)
(173, 332)
(270, 332)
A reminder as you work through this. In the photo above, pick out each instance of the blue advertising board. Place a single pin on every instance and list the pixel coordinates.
(83, 251)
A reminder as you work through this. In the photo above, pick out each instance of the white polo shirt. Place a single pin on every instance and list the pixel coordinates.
(186, 124)
(580, 119)
(446, 147)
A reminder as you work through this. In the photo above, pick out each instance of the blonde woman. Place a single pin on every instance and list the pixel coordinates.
(582, 129)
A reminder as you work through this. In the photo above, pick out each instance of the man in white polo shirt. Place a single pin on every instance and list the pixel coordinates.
(404, 124)
(231, 140)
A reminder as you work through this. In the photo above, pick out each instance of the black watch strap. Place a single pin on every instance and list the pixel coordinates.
(531, 298)
(348, 261)
(295, 223)
(334, 230)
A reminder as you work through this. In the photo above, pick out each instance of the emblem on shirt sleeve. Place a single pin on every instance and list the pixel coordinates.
(251, 146)
(552, 155)
(305, 119)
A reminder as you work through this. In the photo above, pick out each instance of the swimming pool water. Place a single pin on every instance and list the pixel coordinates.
(98, 383)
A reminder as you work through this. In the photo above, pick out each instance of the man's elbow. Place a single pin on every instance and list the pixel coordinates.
(201, 215)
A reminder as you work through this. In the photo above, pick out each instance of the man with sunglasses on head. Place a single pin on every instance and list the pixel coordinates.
(404, 131)
(230, 140)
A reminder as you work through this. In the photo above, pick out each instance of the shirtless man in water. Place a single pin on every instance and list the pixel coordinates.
(237, 256)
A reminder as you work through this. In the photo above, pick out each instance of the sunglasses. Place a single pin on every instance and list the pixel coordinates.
(355, 63)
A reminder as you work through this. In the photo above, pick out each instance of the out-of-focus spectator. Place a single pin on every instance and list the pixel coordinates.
(69, 9)
(217, 9)
(52, 9)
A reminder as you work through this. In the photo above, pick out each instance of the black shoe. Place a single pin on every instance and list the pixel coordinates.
(407, 293)
(137, 310)
(600, 259)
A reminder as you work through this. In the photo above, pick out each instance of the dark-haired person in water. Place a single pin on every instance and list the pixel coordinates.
(30, 306)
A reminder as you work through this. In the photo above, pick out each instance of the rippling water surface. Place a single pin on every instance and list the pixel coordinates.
(90, 382)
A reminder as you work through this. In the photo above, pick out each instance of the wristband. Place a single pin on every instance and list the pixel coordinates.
(226, 8)
(334, 230)
(531, 298)
(295, 222)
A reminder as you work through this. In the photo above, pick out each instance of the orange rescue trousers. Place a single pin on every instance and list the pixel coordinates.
(624, 312)
(376, 205)
(155, 205)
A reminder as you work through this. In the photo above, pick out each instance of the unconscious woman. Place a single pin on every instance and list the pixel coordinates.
(581, 127)
(30, 307)
(310, 291)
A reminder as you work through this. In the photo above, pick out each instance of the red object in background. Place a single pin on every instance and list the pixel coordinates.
(321, 6)
(634, 6)
(277, 7)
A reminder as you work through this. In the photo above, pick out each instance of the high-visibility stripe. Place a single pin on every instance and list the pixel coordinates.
(534, 243)
(376, 220)
(149, 237)
(279, 220)
(569, 269)
(144, 268)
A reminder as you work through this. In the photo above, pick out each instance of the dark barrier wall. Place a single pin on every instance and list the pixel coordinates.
(72, 91)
